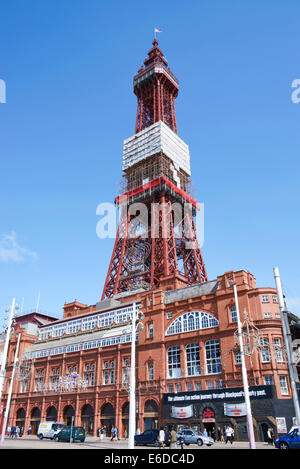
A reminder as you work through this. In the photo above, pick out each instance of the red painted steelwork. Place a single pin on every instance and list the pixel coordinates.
(151, 185)
(143, 259)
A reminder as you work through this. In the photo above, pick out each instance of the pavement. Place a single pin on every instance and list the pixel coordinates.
(32, 442)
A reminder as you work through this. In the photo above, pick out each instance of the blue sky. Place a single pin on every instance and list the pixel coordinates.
(68, 68)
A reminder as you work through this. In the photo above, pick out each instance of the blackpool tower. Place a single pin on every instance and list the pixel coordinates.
(156, 237)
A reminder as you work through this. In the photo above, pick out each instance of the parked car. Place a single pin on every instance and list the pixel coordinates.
(49, 429)
(150, 437)
(291, 440)
(78, 434)
(193, 437)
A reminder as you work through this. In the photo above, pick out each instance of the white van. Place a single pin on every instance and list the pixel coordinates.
(49, 429)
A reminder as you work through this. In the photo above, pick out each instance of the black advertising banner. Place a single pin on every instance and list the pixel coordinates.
(226, 394)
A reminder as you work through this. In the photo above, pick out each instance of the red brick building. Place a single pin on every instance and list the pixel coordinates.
(187, 346)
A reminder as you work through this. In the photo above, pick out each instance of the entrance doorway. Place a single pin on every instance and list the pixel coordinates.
(209, 426)
(150, 415)
(263, 431)
(108, 418)
(51, 414)
(125, 419)
(35, 420)
(20, 418)
(68, 414)
(87, 418)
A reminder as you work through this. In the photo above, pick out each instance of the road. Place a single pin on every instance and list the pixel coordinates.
(32, 442)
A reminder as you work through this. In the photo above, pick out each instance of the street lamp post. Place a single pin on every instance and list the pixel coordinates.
(287, 343)
(10, 391)
(13, 307)
(244, 374)
(135, 324)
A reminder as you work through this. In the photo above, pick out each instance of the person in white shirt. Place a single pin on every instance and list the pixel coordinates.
(229, 433)
(161, 438)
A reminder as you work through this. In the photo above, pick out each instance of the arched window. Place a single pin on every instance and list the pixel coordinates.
(192, 321)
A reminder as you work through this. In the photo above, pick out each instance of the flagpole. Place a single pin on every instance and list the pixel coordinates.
(244, 374)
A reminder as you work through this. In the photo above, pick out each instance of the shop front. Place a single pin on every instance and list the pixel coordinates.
(214, 410)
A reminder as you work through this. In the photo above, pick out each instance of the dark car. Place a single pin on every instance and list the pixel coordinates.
(78, 434)
(291, 440)
(150, 437)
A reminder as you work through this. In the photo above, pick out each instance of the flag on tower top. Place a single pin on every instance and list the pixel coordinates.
(156, 30)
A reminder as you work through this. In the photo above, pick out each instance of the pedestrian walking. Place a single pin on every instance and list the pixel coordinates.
(173, 438)
(161, 438)
(229, 432)
(17, 432)
(180, 440)
(125, 434)
(8, 431)
(30, 430)
(12, 431)
(270, 436)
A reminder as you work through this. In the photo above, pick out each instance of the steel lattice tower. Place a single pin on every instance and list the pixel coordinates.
(156, 237)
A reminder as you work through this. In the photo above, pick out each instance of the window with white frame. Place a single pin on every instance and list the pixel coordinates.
(283, 385)
(189, 387)
(150, 371)
(54, 379)
(105, 377)
(174, 364)
(268, 315)
(193, 321)
(89, 323)
(150, 331)
(265, 298)
(178, 387)
(278, 350)
(89, 374)
(213, 357)
(209, 384)
(125, 378)
(109, 372)
(265, 351)
(275, 299)
(192, 360)
(170, 388)
(24, 381)
(233, 314)
(39, 380)
(219, 383)
(238, 358)
(268, 379)
(198, 386)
